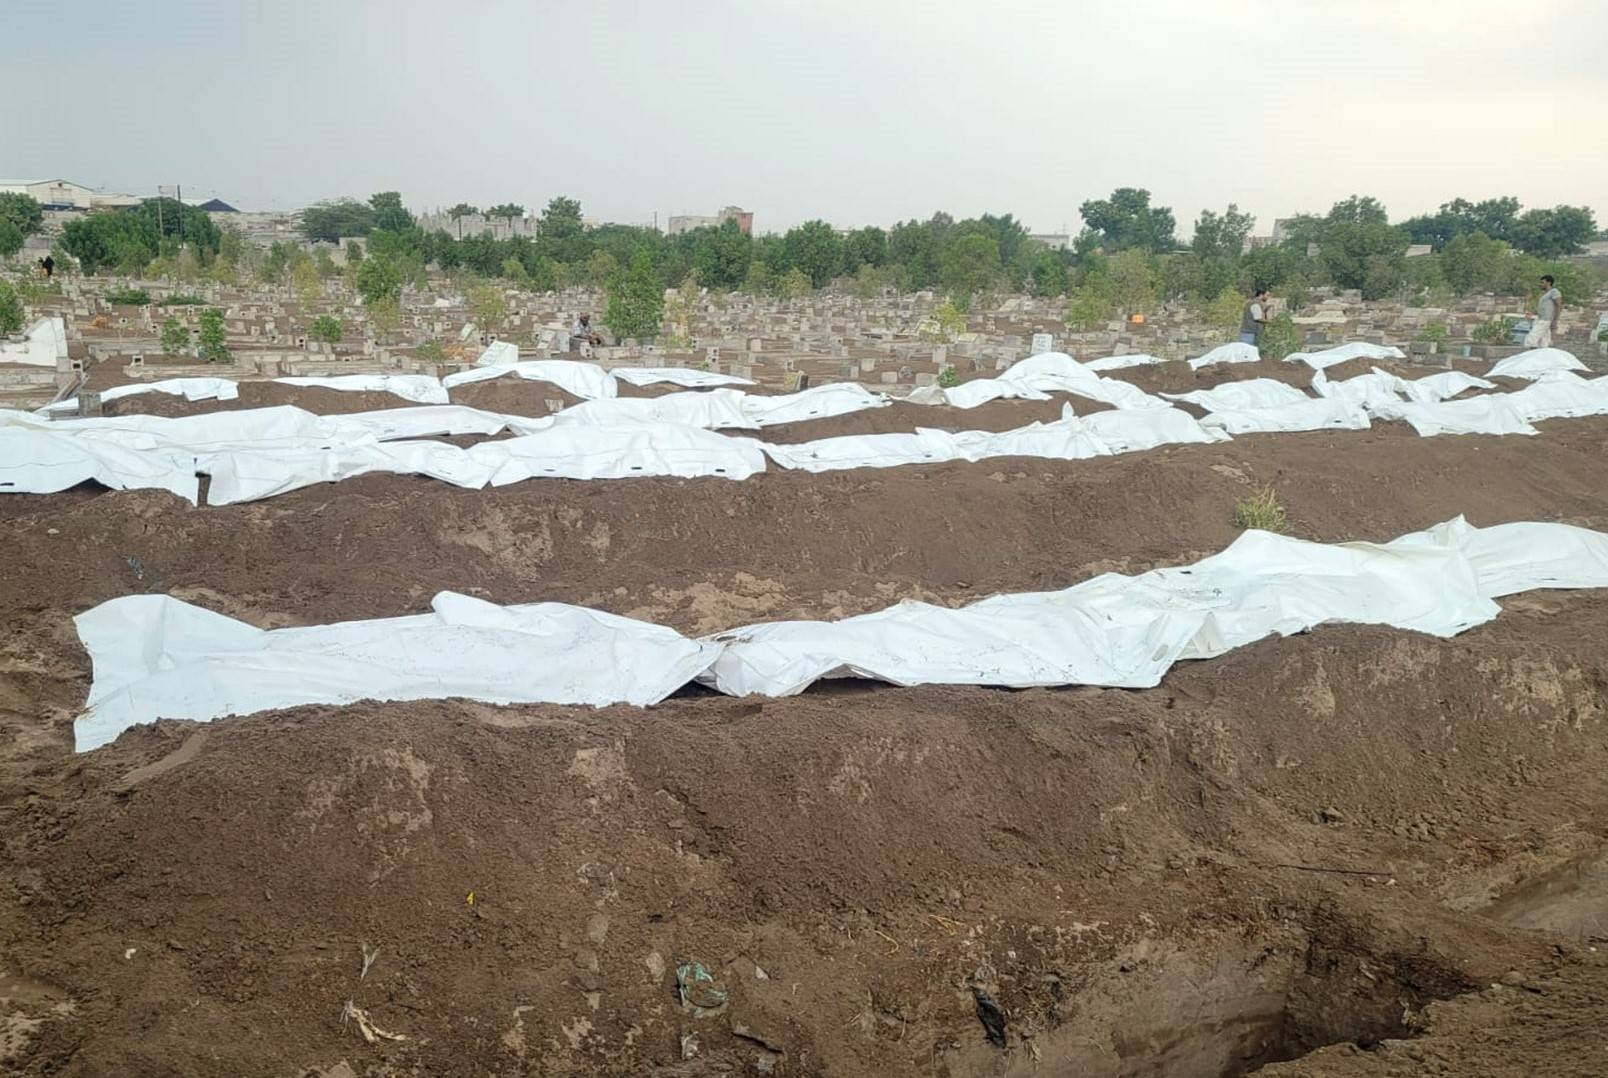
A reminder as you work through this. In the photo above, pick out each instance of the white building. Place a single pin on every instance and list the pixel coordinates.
(66, 195)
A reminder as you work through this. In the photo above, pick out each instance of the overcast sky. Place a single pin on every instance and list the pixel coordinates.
(857, 111)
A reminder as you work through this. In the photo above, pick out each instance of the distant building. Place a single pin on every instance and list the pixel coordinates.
(687, 222)
(1057, 241)
(66, 195)
(1419, 250)
(216, 205)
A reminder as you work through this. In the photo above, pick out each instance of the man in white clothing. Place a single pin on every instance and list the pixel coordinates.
(1547, 309)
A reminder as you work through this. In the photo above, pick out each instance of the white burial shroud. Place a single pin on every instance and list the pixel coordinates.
(157, 657)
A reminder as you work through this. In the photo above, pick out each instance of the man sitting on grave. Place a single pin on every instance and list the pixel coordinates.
(583, 333)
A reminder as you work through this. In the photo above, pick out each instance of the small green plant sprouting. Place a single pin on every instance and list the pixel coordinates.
(1261, 510)
(1433, 333)
(948, 378)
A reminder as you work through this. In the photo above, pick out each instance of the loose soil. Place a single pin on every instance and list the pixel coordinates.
(1359, 837)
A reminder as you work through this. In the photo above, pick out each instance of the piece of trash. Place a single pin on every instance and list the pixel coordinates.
(689, 1045)
(990, 1015)
(469, 899)
(369, 955)
(130, 953)
(371, 1032)
(697, 990)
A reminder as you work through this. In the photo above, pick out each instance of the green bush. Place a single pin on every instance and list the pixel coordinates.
(181, 300)
(129, 297)
(431, 350)
(175, 336)
(1496, 331)
(1433, 333)
(948, 378)
(326, 328)
(212, 337)
(10, 309)
(1280, 337)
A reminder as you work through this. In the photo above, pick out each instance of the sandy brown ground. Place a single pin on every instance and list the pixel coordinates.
(1306, 842)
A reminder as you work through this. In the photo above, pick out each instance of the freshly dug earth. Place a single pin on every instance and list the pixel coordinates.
(1302, 843)
(1267, 853)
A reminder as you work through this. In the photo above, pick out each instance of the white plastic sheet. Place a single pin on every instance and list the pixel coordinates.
(712, 410)
(1118, 363)
(1305, 414)
(587, 381)
(44, 343)
(190, 663)
(1233, 352)
(419, 388)
(1344, 353)
(156, 657)
(681, 376)
(1035, 378)
(817, 402)
(44, 462)
(625, 451)
(1251, 393)
(1535, 363)
(191, 389)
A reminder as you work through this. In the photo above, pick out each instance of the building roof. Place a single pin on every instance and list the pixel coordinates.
(217, 205)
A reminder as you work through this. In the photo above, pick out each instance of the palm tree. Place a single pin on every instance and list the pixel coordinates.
(459, 212)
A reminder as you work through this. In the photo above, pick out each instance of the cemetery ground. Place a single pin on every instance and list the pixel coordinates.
(1354, 852)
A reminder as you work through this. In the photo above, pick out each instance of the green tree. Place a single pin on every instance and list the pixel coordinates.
(1225, 312)
(10, 309)
(969, 265)
(560, 233)
(948, 322)
(507, 211)
(326, 328)
(1222, 236)
(636, 299)
(23, 211)
(600, 268)
(864, 247)
(271, 270)
(1562, 230)
(459, 212)
(1474, 262)
(795, 284)
(379, 278)
(814, 248)
(1279, 337)
(305, 280)
(212, 339)
(331, 221)
(1359, 248)
(757, 281)
(324, 265)
(487, 308)
(514, 271)
(175, 336)
(1127, 219)
(721, 255)
(1093, 303)
(389, 213)
(1047, 276)
(1494, 217)
(11, 238)
(1133, 281)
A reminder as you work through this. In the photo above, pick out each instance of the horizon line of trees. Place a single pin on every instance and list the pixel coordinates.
(1126, 260)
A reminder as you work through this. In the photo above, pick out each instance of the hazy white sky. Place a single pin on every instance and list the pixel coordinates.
(858, 111)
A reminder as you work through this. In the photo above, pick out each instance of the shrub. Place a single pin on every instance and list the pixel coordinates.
(1261, 510)
(212, 338)
(10, 309)
(431, 350)
(1496, 331)
(175, 336)
(326, 328)
(1279, 337)
(181, 300)
(948, 378)
(129, 297)
(1433, 333)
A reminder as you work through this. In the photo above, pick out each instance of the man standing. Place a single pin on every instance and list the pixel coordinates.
(1547, 310)
(1254, 318)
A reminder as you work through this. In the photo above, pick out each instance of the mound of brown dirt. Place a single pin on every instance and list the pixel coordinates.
(846, 866)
